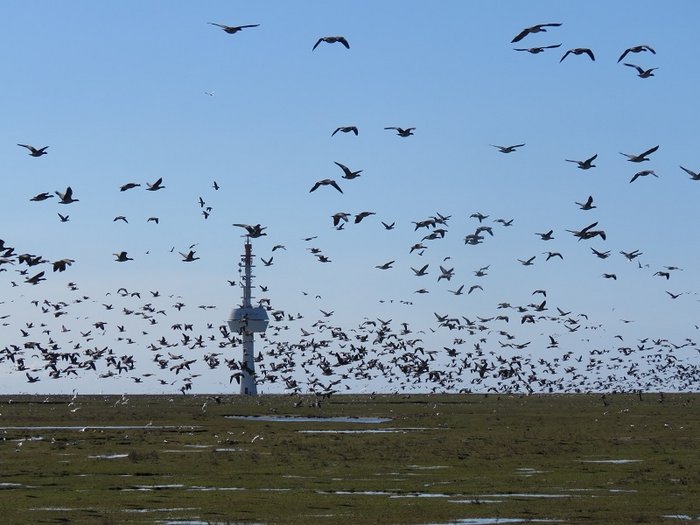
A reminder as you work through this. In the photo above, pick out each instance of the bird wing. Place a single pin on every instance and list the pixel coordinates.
(314, 188)
(317, 43)
(520, 35)
(623, 55)
(335, 185)
(344, 42)
(689, 172)
(589, 53)
(650, 151)
(565, 55)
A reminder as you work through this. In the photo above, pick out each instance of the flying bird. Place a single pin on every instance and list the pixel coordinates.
(643, 173)
(345, 129)
(635, 49)
(643, 73)
(362, 215)
(578, 51)
(36, 279)
(67, 196)
(385, 266)
(128, 186)
(41, 197)
(693, 175)
(588, 205)
(527, 262)
(60, 265)
(539, 28)
(326, 182)
(347, 172)
(189, 256)
(157, 185)
(35, 152)
(584, 164)
(508, 149)
(331, 40)
(402, 132)
(420, 271)
(232, 29)
(641, 157)
(253, 231)
(536, 50)
(122, 257)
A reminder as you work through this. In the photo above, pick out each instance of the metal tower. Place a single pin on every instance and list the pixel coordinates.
(247, 320)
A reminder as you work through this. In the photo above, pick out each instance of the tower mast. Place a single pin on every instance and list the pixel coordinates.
(245, 321)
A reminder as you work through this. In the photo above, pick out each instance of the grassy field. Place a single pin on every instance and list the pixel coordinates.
(438, 459)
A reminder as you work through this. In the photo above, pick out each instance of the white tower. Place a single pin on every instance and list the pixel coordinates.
(245, 321)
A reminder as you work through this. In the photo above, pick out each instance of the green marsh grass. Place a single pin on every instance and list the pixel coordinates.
(571, 458)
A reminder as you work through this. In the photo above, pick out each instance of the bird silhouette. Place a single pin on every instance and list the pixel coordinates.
(402, 132)
(189, 256)
(635, 49)
(157, 185)
(35, 152)
(539, 28)
(347, 172)
(345, 129)
(325, 182)
(66, 197)
(508, 149)
(643, 73)
(585, 164)
(642, 157)
(578, 51)
(537, 50)
(331, 40)
(232, 29)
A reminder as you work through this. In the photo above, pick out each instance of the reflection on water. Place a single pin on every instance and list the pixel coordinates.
(312, 419)
(612, 461)
(103, 427)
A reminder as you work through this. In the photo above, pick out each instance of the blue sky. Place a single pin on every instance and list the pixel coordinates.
(135, 91)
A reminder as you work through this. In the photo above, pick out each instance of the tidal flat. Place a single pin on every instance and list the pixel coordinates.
(361, 459)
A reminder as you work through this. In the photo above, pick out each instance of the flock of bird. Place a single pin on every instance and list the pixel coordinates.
(146, 335)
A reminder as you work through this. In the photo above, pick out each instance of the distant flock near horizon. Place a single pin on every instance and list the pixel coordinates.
(327, 358)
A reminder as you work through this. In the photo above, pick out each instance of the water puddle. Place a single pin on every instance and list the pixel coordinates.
(146, 488)
(363, 431)
(421, 495)
(612, 461)
(174, 509)
(109, 456)
(312, 419)
(527, 495)
(494, 521)
(6, 486)
(528, 472)
(201, 522)
(103, 427)
(475, 501)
